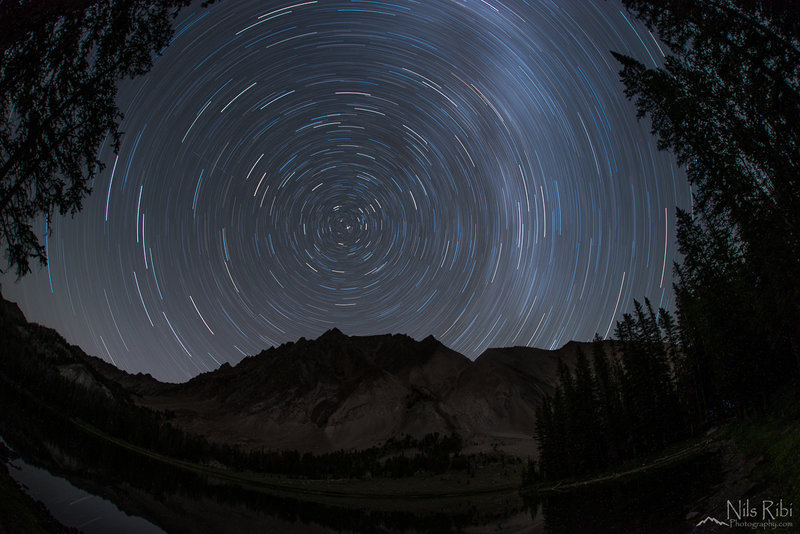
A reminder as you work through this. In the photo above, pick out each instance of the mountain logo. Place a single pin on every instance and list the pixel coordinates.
(712, 520)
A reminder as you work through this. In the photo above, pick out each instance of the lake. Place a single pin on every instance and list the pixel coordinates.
(96, 486)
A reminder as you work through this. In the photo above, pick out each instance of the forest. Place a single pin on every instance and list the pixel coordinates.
(727, 103)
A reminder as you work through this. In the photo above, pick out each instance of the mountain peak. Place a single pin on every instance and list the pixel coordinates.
(333, 333)
(431, 341)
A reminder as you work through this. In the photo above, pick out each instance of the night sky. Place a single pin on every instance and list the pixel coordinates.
(463, 168)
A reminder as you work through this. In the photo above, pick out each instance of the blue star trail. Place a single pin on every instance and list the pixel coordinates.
(466, 169)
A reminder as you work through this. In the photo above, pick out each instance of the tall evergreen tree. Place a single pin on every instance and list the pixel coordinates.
(606, 394)
(727, 103)
(60, 66)
(544, 437)
(583, 417)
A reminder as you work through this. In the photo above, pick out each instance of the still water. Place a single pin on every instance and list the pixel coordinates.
(178, 501)
(72, 506)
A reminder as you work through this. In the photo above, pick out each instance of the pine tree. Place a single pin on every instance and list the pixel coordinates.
(561, 451)
(58, 83)
(727, 103)
(544, 437)
(606, 395)
(583, 416)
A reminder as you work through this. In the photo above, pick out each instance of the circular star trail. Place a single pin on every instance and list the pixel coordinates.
(466, 169)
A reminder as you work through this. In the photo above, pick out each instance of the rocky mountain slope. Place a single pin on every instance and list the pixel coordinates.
(338, 392)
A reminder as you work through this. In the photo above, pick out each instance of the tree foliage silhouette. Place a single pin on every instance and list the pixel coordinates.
(628, 402)
(727, 103)
(61, 63)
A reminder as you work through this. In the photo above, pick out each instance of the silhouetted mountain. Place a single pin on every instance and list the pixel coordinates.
(338, 391)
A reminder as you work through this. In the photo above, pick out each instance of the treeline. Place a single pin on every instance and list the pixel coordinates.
(633, 398)
(396, 458)
(726, 102)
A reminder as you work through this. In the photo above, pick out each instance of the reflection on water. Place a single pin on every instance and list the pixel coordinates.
(74, 507)
(180, 501)
(653, 503)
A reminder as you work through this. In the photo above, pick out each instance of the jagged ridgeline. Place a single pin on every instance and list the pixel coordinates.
(338, 405)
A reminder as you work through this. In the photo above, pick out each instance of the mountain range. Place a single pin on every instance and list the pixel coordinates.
(337, 391)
